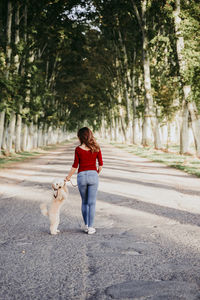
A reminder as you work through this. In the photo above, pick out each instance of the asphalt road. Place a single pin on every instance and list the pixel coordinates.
(147, 244)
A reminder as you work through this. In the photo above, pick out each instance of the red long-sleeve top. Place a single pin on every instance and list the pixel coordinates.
(86, 159)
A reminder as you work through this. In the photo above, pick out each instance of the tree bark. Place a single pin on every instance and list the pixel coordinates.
(195, 125)
(8, 38)
(145, 134)
(18, 133)
(157, 139)
(2, 118)
(135, 125)
(5, 135)
(149, 103)
(16, 57)
(24, 137)
(116, 120)
(35, 136)
(8, 60)
(189, 105)
(30, 136)
(184, 132)
(128, 90)
(11, 131)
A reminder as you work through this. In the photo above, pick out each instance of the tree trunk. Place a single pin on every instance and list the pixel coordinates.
(49, 136)
(156, 133)
(44, 135)
(149, 103)
(184, 132)
(18, 133)
(145, 131)
(40, 139)
(187, 102)
(24, 137)
(8, 37)
(5, 136)
(128, 118)
(16, 57)
(135, 125)
(135, 131)
(116, 129)
(35, 136)
(11, 131)
(123, 129)
(2, 118)
(128, 90)
(195, 125)
(30, 136)
(8, 60)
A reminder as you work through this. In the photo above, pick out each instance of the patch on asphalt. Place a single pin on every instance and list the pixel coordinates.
(154, 290)
(128, 247)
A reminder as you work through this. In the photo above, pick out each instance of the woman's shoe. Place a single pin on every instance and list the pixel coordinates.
(86, 228)
(91, 230)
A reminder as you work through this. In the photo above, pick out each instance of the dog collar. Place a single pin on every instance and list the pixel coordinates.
(56, 190)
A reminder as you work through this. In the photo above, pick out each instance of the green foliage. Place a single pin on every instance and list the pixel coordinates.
(76, 57)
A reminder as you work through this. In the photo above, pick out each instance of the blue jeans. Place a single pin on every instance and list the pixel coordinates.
(88, 182)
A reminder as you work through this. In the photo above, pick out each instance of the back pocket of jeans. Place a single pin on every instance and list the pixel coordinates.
(93, 178)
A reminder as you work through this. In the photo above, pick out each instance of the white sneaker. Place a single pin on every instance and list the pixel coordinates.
(85, 229)
(91, 230)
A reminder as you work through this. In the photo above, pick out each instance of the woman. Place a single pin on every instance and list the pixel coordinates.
(86, 155)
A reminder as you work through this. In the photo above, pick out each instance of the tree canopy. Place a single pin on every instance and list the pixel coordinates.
(117, 64)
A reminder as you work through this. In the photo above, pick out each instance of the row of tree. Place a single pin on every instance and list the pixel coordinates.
(129, 68)
(155, 50)
(41, 66)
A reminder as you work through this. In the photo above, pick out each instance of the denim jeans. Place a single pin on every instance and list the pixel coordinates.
(88, 182)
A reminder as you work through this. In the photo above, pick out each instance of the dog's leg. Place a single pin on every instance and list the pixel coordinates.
(54, 218)
(54, 226)
(52, 229)
(57, 221)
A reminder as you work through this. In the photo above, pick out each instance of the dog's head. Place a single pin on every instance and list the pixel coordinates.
(56, 185)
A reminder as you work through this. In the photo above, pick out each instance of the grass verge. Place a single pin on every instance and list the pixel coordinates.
(26, 155)
(186, 163)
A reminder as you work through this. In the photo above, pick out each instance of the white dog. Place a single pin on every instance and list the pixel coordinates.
(60, 193)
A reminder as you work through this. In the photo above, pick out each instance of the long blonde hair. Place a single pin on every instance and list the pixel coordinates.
(86, 137)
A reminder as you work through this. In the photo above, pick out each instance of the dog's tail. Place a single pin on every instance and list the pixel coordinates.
(44, 209)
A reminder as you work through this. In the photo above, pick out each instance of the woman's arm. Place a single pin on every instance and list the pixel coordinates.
(71, 172)
(99, 169)
(100, 161)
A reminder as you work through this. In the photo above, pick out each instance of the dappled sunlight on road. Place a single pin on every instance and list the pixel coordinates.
(147, 218)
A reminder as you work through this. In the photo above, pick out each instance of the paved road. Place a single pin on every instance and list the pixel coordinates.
(147, 244)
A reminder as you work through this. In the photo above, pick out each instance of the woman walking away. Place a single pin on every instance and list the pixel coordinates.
(86, 155)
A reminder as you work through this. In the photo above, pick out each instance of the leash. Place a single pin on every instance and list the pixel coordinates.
(74, 185)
